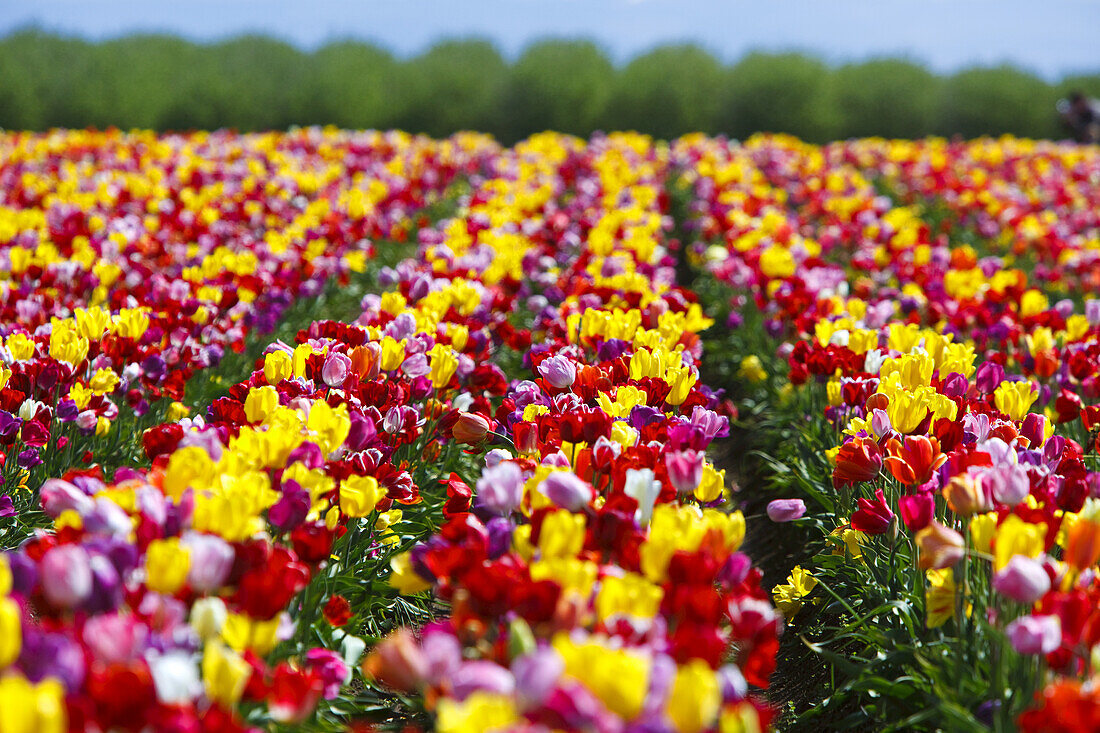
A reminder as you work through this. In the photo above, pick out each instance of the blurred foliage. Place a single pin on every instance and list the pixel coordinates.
(996, 101)
(556, 85)
(885, 97)
(779, 93)
(252, 82)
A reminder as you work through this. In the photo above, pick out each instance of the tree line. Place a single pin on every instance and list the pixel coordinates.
(254, 83)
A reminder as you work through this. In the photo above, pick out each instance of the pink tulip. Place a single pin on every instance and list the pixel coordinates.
(1022, 579)
(1035, 634)
(786, 510)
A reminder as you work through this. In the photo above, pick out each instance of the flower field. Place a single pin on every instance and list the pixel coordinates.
(325, 430)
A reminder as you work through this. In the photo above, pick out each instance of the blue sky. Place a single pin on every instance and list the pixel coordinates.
(1052, 37)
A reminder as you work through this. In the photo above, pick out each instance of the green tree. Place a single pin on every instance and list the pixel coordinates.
(257, 83)
(667, 92)
(354, 85)
(779, 93)
(884, 97)
(456, 85)
(556, 85)
(996, 101)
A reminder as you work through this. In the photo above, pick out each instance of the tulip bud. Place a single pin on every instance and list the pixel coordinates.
(336, 368)
(940, 547)
(965, 496)
(685, 469)
(559, 371)
(567, 490)
(470, 429)
(500, 488)
(786, 510)
(917, 510)
(397, 662)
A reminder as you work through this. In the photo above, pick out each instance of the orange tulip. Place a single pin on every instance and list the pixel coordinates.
(913, 462)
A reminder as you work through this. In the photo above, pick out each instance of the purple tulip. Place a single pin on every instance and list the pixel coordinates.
(211, 558)
(290, 510)
(1022, 579)
(955, 385)
(1092, 312)
(46, 654)
(989, 376)
(559, 371)
(1034, 428)
(415, 366)
(500, 488)
(1008, 484)
(1035, 634)
(537, 674)
(482, 675)
(362, 432)
(567, 490)
(786, 510)
(710, 422)
(442, 654)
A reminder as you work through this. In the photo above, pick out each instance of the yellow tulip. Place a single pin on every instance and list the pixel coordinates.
(225, 674)
(695, 698)
(166, 565)
(359, 495)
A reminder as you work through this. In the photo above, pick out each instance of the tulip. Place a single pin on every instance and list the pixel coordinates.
(166, 565)
(500, 488)
(642, 486)
(567, 490)
(66, 576)
(482, 676)
(1009, 485)
(211, 561)
(277, 367)
(224, 674)
(917, 510)
(1034, 429)
(966, 497)
(685, 469)
(989, 375)
(872, 517)
(939, 546)
(208, 617)
(857, 461)
(336, 369)
(11, 632)
(359, 495)
(536, 674)
(470, 429)
(912, 462)
(1035, 634)
(330, 668)
(559, 371)
(1083, 537)
(397, 662)
(175, 678)
(1023, 580)
(785, 510)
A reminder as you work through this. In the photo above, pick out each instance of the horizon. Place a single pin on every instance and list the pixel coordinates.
(1053, 42)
